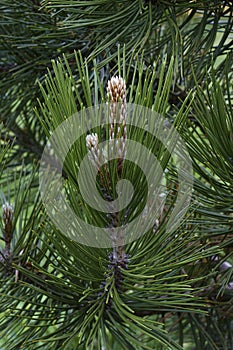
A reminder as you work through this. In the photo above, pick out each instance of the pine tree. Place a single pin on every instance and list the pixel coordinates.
(147, 86)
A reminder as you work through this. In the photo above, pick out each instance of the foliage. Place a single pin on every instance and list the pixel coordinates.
(172, 290)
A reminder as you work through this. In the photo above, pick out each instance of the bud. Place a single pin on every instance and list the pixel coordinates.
(116, 92)
(92, 143)
(7, 215)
